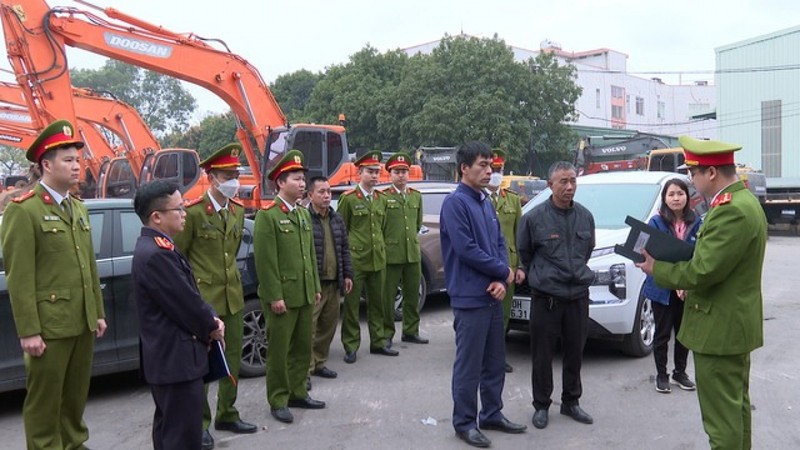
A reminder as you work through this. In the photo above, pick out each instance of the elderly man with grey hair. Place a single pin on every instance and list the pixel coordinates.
(555, 241)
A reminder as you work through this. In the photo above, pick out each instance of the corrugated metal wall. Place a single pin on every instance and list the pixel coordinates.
(756, 77)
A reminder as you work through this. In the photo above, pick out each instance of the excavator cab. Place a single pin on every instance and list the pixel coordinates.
(180, 166)
(324, 149)
(117, 179)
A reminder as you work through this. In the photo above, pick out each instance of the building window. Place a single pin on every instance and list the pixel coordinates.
(597, 96)
(616, 112)
(617, 92)
(639, 106)
(628, 103)
(661, 108)
(771, 145)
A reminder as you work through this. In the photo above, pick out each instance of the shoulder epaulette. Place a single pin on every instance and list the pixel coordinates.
(71, 195)
(164, 243)
(511, 191)
(350, 192)
(268, 205)
(412, 189)
(380, 192)
(24, 196)
(192, 202)
(236, 201)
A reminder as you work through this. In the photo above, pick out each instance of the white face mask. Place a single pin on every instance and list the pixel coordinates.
(496, 179)
(228, 188)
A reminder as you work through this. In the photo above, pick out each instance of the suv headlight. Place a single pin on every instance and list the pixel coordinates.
(614, 278)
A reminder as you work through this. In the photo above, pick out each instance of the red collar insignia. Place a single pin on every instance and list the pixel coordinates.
(284, 208)
(209, 208)
(722, 199)
(47, 198)
(164, 243)
(359, 194)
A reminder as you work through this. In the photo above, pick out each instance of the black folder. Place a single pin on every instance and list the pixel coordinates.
(661, 246)
(217, 364)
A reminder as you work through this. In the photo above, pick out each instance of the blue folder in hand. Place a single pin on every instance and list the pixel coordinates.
(217, 364)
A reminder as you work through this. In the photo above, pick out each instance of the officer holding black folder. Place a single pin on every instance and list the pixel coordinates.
(723, 313)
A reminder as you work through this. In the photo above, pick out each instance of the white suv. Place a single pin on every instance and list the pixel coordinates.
(617, 308)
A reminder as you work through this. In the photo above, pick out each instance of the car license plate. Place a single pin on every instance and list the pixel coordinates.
(521, 309)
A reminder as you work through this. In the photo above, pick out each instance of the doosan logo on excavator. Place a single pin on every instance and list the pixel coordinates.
(137, 45)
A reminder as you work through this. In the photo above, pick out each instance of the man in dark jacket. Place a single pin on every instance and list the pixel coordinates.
(555, 241)
(335, 272)
(477, 274)
(175, 324)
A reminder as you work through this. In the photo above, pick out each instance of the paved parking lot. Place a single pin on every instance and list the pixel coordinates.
(381, 402)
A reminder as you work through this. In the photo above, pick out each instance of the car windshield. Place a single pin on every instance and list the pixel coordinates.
(611, 203)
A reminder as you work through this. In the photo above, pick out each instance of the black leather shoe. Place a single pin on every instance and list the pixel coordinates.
(577, 414)
(282, 415)
(474, 438)
(414, 339)
(385, 351)
(505, 426)
(208, 441)
(325, 373)
(238, 427)
(350, 357)
(509, 369)
(540, 418)
(308, 383)
(306, 403)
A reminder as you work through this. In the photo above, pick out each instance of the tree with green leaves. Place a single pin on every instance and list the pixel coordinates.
(211, 134)
(164, 104)
(13, 161)
(292, 91)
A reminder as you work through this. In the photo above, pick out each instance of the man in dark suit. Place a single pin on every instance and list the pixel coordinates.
(175, 324)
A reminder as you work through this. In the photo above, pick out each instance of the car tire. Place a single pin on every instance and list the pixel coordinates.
(398, 300)
(640, 342)
(254, 340)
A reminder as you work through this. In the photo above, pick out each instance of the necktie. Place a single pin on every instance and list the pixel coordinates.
(67, 206)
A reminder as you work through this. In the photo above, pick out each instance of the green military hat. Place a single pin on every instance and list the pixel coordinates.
(699, 152)
(226, 158)
(58, 134)
(291, 161)
(399, 159)
(498, 158)
(371, 158)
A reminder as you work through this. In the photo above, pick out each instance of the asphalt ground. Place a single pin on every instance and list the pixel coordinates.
(405, 403)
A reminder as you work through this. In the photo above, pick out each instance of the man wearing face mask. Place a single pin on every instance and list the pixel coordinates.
(509, 211)
(210, 240)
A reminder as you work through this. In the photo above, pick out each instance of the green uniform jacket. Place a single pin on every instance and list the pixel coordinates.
(210, 244)
(50, 267)
(723, 314)
(402, 225)
(364, 220)
(509, 213)
(286, 262)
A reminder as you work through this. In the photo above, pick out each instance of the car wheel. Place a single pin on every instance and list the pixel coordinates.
(398, 300)
(640, 342)
(254, 340)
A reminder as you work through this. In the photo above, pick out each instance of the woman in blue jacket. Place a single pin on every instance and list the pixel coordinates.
(675, 216)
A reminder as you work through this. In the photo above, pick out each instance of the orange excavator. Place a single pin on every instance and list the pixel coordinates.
(36, 36)
(113, 174)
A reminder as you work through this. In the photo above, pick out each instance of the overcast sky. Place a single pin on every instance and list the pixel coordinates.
(279, 37)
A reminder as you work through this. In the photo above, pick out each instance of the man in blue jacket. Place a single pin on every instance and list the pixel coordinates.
(477, 274)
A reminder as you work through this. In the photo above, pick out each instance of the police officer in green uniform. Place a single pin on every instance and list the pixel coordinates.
(403, 258)
(210, 241)
(509, 212)
(55, 292)
(364, 212)
(289, 287)
(723, 315)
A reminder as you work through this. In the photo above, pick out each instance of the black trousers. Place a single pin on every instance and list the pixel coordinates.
(178, 420)
(668, 319)
(551, 321)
